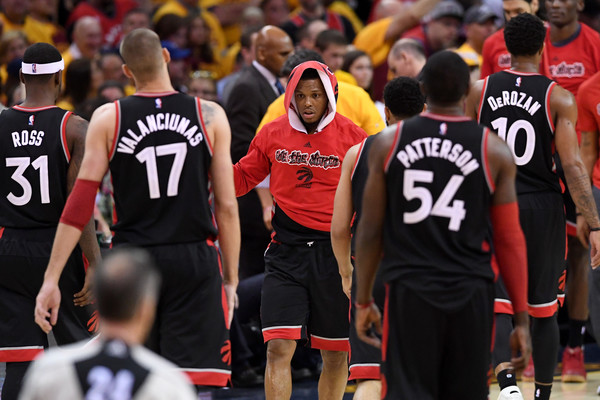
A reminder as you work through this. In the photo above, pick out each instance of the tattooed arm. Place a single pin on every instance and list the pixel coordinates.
(565, 116)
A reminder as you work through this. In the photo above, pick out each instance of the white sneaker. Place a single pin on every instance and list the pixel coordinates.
(510, 393)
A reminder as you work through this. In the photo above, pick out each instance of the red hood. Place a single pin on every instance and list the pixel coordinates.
(331, 88)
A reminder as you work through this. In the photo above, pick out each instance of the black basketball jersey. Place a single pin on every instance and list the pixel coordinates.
(438, 198)
(516, 106)
(360, 172)
(34, 159)
(159, 165)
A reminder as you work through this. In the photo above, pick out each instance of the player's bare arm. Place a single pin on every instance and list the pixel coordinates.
(369, 241)
(76, 131)
(513, 268)
(472, 106)
(343, 209)
(226, 208)
(93, 167)
(564, 109)
(589, 155)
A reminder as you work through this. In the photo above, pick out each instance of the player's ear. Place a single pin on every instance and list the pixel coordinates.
(542, 49)
(58, 78)
(388, 115)
(580, 5)
(127, 71)
(21, 77)
(166, 55)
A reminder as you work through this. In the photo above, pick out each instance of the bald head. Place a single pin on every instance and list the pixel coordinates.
(87, 35)
(273, 46)
(142, 52)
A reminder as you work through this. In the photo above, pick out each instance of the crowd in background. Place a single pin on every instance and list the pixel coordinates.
(210, 42)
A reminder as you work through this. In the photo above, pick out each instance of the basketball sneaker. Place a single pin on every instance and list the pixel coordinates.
(573, 368)
(529, 372)
(510, 393)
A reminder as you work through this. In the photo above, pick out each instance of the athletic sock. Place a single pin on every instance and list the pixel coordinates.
(576, 331)
(542, 392)
(15, 372)
(506, 378)
(545, 341)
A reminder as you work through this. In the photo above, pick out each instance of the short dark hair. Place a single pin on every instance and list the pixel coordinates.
(297, 58)
(40, 53)
(123, 280)
(329, 37)
(524, 35)
(403, 97)
(445, 77)
(310, 73)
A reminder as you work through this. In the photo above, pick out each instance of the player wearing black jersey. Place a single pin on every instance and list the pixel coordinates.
(115, 365)
(403, 99)
(41, 147)
(161, 147)
(535, 115)
(436, 184)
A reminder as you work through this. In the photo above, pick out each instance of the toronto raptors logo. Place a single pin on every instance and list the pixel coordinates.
(306, 175)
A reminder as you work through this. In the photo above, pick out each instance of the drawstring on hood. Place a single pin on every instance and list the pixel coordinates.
(331, 88)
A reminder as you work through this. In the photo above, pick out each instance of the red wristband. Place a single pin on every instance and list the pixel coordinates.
(80, 204)
(363, 306)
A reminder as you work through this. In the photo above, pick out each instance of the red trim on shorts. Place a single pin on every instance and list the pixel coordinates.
(204, 132)
(544, 310)
(20, 354)
(224, 303)
(1, 231)
(386, 323)
(388, 158)
(485, 84)
(63, 135)
(117, 126)
(282, 332)
(561, 300)
(321, 343)
(365, 371)
(208, 377)
(502, 306)
(571, 229)
(383, 387)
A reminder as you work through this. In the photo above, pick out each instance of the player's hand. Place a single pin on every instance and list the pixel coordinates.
(583, 231)
(594, 247)
(347, 285)
(47, 303)
(520, 343)
(268, 217)
(366, 318)
(232, 299)
(85, 297)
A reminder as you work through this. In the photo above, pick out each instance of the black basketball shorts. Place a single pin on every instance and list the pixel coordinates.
(191, 329)
(24, 255)
(365, 360)
(302, 296)
(542, 219)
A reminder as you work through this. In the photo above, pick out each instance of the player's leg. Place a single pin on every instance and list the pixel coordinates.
(278, 374)
(543, 222)
(467, 341)
(365, 360)
(334, 375)
(192, 315)
(573, 368)
(328, 325)
(284, 314)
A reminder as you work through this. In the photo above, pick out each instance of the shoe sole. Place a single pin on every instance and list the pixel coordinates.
(573, 378)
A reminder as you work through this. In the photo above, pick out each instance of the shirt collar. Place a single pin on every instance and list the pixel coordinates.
(268, 75)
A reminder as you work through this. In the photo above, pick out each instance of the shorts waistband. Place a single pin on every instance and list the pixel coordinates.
(31, 235)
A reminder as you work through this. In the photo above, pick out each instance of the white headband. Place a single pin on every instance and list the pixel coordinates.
(42, 69)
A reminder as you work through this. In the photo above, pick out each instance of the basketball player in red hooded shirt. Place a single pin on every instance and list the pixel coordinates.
(302, 296)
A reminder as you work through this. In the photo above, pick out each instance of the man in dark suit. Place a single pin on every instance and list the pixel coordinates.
(256, 87)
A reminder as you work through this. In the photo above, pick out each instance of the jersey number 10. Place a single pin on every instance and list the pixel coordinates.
(510, 137)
